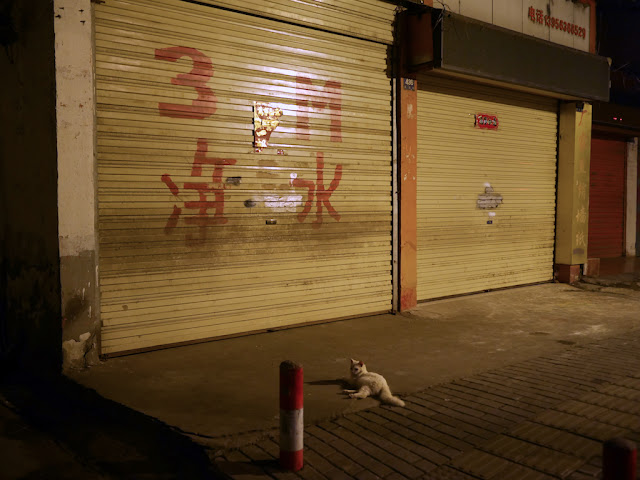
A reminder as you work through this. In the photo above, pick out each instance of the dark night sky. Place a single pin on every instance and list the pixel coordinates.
(619, 38)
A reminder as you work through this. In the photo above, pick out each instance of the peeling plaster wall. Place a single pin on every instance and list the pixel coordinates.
(75, 106)
(30, 322)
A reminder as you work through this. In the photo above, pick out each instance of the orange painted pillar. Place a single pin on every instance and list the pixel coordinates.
(408, 126)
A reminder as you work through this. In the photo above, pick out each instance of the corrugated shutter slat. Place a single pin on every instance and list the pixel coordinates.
(606, 198)
(191, 251)
(461, 247)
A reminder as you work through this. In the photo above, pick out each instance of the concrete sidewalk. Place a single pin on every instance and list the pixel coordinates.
(226, 392)
(621, 272)
(496, 384)
(544, 418)
(53, 428)
(28, 453)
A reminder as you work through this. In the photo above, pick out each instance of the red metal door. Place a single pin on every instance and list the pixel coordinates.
(606, 198)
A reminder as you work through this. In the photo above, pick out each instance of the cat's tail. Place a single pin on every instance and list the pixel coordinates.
(386, 397)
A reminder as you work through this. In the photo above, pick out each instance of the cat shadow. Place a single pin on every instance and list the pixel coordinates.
(341, 382)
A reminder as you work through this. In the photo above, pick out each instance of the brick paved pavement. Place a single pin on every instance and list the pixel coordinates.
(543, 418)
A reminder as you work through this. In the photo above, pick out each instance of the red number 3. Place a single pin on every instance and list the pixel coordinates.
(202, 71)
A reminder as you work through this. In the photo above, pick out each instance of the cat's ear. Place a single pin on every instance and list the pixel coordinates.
(361, 363)
(353, 362)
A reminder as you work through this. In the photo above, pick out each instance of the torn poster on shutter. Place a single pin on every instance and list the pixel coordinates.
(489, 199)
(265, 120)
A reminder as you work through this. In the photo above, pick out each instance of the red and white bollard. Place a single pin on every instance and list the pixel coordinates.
(619, 459)
(291, 419)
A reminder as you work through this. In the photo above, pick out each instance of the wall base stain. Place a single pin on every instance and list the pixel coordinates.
(80, 325)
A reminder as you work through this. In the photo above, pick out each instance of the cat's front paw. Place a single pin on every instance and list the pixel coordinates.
(352, 395)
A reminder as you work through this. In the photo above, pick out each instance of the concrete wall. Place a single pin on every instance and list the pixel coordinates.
(30, 326)
(572, 210)
(76, 180)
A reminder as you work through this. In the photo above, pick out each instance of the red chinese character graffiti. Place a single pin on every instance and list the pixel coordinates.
(540, 16)
(202, 71)
(331, 92)
(318, 191)
(203, 189)
(532, 14)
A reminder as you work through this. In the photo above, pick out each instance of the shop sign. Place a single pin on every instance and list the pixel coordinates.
(489, 122)
(538, 16)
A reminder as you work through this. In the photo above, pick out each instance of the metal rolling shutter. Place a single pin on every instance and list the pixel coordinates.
(201, 235)
(368, 19)
(461, 248)
(606, 198)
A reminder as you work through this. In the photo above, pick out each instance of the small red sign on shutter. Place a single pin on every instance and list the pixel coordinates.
(489, 122)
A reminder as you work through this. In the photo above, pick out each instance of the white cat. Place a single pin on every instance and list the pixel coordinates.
(369, 383)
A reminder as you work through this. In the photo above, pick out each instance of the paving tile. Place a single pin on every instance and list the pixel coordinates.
(447, 473)
(368, 457)
(556, 439)
(469, 426)
(319, 446)
(591, 470)
(388, 445)
(395, 476)
(536, 420)
(337, 474)
(540, 458)
(443, 437)
(580, 425)
(373, 466)
(338, 443)
(425, 465)
(397, 417)
(310, 473)
(539, 390)
(629, 382)
(612, 402)
(483, 394)
(236, 456)
(394, 462)
(347, 435)
(580, 476)
(433, 447)
(342, 462)
(487, 466)
(367, 475)
(572, 377)
(602, 414)
(256, 454)
(466, 412)
(549, 378)
(620, 391)
(318, 462)
(525, 396)
(279, 474)
(459, 394)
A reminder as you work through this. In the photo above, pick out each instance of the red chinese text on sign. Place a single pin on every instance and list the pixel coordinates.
(216, 188)
(307, 99)
(489, 122)
(538, 16)
(202, 71)
(318, 191)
